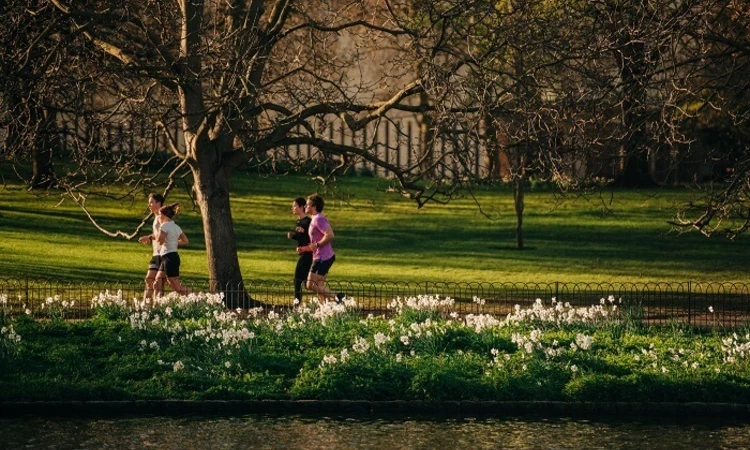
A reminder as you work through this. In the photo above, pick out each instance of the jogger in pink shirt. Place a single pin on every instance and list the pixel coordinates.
(321, 238)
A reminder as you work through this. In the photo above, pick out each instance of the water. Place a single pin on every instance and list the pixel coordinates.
(272, 433)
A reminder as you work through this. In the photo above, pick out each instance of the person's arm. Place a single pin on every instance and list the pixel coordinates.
(326, 239)
(162, 237)
(146, 239)
(182, 240)
(304, 248)
(301, 232)
(297, 234)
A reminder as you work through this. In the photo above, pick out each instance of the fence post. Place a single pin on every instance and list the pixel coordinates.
(690, 303)
(27, 291)
(557, 291)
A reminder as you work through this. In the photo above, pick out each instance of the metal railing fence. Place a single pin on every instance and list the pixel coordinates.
(692, 303)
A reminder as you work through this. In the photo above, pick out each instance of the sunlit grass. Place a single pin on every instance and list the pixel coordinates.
(383, 237)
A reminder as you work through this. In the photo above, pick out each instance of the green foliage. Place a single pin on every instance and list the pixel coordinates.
(375, 376)
(604, 387)
(187, 348)
(465, 339)
(534, 379)
(601, 387)
(56, 309)
(409, 315)
(9, 338)
(450, 377)
(9, 346)
(247, 386)
(111, 306)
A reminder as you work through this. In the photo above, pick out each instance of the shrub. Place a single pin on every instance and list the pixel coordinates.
(371, 376)
(602, 387)
(449, 377)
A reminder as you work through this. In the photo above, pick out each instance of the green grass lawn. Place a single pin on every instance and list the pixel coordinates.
(382, 237)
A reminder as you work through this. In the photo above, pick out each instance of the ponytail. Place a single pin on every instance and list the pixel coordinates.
(170, 210)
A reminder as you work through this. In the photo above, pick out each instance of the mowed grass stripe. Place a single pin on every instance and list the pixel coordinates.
(383, 237)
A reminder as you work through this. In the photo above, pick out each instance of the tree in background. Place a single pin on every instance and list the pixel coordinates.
(719, 105)
(516, 76)
(571, 90)
(29, 98)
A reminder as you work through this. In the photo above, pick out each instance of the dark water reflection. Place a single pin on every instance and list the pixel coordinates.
(276, 433)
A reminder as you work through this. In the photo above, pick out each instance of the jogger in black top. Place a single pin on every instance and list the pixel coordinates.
(300, 235)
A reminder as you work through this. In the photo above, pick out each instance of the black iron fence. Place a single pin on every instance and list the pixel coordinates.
(690, 303)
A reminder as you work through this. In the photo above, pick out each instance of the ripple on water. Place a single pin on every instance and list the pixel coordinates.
(277, 433)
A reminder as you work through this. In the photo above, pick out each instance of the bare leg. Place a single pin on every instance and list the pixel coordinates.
(317, 283)
(159, 284)
(148, 293)
(178, 287)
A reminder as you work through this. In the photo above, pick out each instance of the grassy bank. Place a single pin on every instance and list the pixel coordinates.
(383, 237)
(191, 348)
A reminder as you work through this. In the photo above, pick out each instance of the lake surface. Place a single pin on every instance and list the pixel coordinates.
(277, 433)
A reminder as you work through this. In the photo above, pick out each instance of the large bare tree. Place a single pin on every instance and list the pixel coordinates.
(237, 79)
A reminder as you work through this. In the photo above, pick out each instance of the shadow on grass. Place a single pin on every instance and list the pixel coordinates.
(569, 241)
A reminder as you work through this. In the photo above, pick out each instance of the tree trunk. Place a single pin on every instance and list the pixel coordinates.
(634, 68)
(492, 148)
(33, 130)
(212, 195)
(518, 203)
(634, 169)
(43, 175)
(426, 141)
(205, 150)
